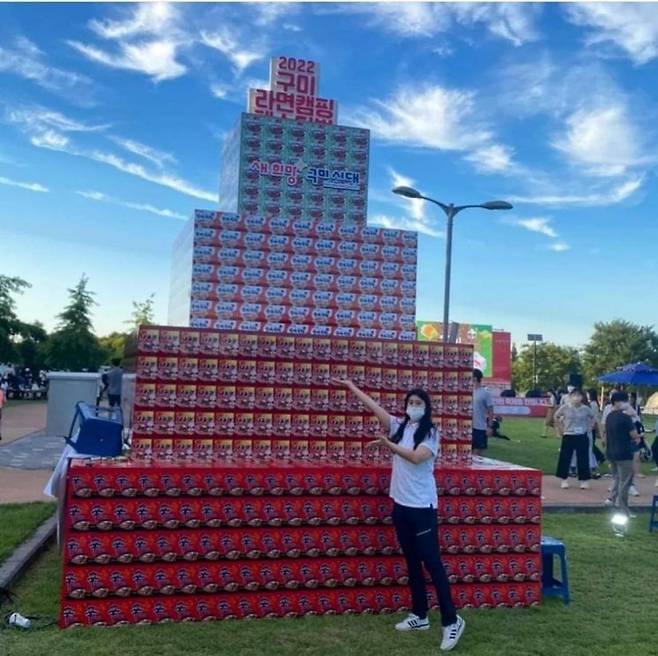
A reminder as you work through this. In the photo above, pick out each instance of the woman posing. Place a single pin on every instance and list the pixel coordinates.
(414, 442)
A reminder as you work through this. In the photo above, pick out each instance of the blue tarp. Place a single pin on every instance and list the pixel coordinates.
(632, 374)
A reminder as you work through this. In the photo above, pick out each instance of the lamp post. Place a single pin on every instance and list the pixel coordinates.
(450, 211)
(534, 338)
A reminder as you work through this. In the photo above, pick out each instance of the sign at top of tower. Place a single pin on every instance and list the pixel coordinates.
(294, 85)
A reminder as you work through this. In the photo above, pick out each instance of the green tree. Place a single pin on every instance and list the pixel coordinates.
(73, 345)
(554, 364)
(616, 343)
(143, 313)
(10, 326)
(30, 343)
(113, 345)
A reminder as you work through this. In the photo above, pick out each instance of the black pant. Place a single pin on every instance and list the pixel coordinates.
(416, 529)
(579, 444)
(598, 454)
(114, 399)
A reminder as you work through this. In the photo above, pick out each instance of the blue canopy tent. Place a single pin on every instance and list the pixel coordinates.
(636, 373)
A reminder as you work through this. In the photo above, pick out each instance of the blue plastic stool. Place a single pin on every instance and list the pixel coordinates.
(653, 518)
(550, 586)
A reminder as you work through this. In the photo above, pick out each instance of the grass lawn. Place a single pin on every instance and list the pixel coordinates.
(614, 588)
(18, 521)
(528, 449)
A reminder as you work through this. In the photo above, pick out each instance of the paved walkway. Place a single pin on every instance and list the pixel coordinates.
(22, 418)
(555, 497)
(34, 451)
(27, 456)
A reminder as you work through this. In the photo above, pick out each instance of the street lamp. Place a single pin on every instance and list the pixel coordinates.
(534, 338)
(450, 211)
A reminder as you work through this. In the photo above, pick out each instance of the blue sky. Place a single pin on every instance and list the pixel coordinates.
(112, 118)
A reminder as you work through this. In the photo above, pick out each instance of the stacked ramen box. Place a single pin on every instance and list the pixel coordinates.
(240, 500)
(295, 276)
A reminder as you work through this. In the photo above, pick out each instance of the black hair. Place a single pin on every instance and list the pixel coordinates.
(116, 361)
(618, 397)
(477, 374)
(592, 395)
(425, 425)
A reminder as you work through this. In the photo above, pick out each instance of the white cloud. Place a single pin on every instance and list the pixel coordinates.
(45, 127)
(27, 61)
(30, 186)
(416, 206)
(268, 13)
(559, 247)
(49, 139)
(605, 196)
(147, 41)
(156, 59)
(629, 27)
(93, 195)
(514, 22)
(158, 157)
(224, 41)
(163, 178)
(144, 207)
(604, 140)
(220, 90)
(404, 223)
(426, 117)
(540, 225)
(439, 118)
(147, 18)
(495, 158)
(35, 124)
(47, 118)
(411, 212)
(535, 224)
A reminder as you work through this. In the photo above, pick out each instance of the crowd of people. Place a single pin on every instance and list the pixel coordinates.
(582, 421)
(23, 383)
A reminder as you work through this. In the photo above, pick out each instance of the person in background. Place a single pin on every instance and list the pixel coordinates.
(550, 412)
(564, 398)
(3, 387)
(575, 420)
(114, 383)
(482, 414)
(634, 402)
(598, 455)
(414, 442)
(628, 410)
(620, 435)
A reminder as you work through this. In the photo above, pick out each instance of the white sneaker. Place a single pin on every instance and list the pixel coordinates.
(657, 482)
(610, 489)
(413, 623)
(607, 502)
(632, 490)
(584, 485)
(452, 633)
(564, 484)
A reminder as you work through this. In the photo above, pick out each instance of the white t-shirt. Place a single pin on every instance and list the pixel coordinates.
(414, 485)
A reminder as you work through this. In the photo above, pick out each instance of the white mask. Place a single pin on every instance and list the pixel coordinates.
(415, 412)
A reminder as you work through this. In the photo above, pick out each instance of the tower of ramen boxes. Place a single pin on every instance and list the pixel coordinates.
(250, 493)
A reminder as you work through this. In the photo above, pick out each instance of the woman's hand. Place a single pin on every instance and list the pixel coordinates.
(342, 382)
(380, 441)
